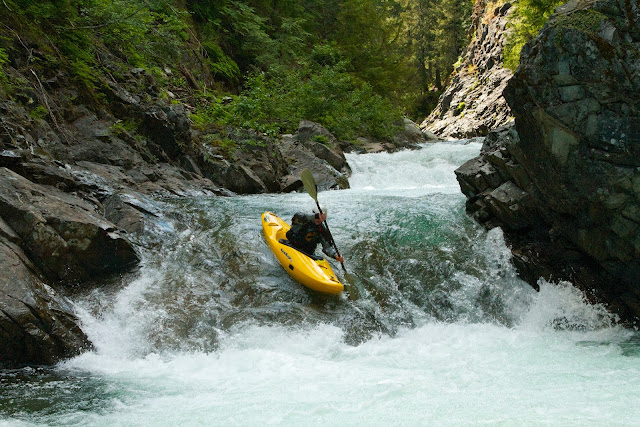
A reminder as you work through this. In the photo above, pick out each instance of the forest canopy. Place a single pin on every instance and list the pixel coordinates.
(356, 66)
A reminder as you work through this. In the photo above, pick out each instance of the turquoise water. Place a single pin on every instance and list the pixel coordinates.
(212, 331)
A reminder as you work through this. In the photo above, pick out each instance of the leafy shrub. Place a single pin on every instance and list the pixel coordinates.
(221, 65)
(38, 113)
(4, 60)
(329, 96)
(120, 127)
(526, 21)
(142, 33)
(322, 139)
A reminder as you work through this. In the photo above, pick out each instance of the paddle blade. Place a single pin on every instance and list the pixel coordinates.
(309, 183)
(349, 278)
(351, 287)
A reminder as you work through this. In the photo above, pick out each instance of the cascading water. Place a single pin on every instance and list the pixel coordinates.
(212, 331)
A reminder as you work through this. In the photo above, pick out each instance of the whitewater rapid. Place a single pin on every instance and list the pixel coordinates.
(213, 332)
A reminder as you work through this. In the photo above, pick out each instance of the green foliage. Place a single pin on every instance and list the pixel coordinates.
(330, 96)
(76, 32)
(226, 145)
(436, 36)
(240, 32)
(123, 127)
(327, 54)
(322, 139)
(221, 66)
(588, 20)
(38, 113)
(4, 60)
(527, 20)
(139, 31)
(400, 48)
(352, 65)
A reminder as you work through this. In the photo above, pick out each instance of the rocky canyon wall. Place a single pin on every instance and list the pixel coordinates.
(564, 184)
(473, 104)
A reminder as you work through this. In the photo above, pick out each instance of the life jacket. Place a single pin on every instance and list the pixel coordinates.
(304, 233)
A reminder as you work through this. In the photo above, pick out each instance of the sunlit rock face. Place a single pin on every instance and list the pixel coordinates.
(473, 103)
(567, 179)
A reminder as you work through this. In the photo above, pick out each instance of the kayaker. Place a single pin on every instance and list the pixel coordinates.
(307, 231)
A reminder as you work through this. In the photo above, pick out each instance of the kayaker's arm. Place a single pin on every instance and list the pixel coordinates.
(328, 248)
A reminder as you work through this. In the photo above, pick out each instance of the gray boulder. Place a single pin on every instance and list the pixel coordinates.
(300, 158)
(243, 161)
(254, 163)
(36, 325)
(313, 147)
(317, 139)
(61, 233)
(168, 130)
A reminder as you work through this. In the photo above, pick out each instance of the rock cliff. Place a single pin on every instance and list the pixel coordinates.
(473, 104)
(564, 184)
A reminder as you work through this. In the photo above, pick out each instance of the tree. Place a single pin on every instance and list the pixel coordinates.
(437, 35)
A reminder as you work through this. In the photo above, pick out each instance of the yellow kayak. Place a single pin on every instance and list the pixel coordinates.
(314, 274)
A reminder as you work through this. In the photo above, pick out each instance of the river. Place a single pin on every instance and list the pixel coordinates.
(212, 331)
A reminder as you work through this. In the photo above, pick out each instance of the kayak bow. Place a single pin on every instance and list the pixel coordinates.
(315, 274)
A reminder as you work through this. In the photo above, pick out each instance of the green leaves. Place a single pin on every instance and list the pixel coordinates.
(221, 65)
(327, 95)
(348, 64)
(4, 59)
(142, 33)
(526, 22)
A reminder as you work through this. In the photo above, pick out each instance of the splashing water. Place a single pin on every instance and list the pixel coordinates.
(212, 331)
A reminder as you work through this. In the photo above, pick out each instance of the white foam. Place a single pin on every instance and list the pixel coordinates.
(561, 363)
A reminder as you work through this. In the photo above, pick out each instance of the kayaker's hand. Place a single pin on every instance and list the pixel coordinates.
(320, 218)
(339, 258)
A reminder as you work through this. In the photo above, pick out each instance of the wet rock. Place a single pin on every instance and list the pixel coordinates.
(36, 325)
(574, 162)
(411, 135)
(256, 163)
(168, 129)
(243, 161)
(237, 178)
(300, 158)
(259, 157)
(366, 145)
(61, 233)
(123, 214)
(11, 158)
(492, 183)
(317, 139)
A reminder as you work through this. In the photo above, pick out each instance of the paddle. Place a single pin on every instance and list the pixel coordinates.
(312, 188)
